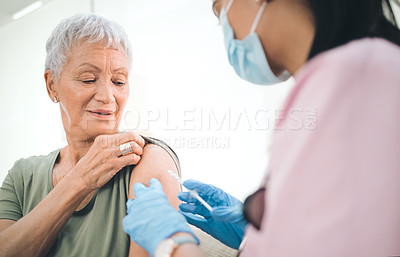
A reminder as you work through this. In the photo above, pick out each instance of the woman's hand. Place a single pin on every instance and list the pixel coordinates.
(225, 222)
(104, 159)
(34, 233)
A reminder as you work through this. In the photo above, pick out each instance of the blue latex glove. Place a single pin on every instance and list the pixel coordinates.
(151, 218)
(226, 222)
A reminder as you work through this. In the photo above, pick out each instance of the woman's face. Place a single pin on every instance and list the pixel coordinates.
(241, 16)
(92, 90)
(285, 29)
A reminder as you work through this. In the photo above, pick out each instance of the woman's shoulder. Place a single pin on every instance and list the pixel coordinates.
(366, 63)
(366, 48)
(33, 164)
(166, 148)
(359, 58)
(362, 73)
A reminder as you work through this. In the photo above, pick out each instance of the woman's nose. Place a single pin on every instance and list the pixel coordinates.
(105, 92)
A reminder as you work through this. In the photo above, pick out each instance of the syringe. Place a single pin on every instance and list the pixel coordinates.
(192, 192)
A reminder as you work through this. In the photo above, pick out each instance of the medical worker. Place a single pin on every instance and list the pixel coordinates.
(333, 183)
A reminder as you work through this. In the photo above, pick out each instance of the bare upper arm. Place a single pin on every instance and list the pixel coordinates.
(4, 224)
(154, 164)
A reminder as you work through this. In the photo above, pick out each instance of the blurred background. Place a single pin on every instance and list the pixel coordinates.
(183, 89)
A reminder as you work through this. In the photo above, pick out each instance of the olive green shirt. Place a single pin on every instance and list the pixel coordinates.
(96, 230)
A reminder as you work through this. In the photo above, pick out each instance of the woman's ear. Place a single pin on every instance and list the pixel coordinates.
(51, 85)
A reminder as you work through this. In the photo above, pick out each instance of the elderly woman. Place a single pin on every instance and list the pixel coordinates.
(72, 201)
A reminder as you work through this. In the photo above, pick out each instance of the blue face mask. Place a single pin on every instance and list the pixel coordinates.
(247, 56)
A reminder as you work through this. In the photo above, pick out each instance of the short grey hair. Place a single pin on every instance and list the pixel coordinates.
(91, 27)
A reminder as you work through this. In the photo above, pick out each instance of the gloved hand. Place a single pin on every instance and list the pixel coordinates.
(226, 222)
(151, 218)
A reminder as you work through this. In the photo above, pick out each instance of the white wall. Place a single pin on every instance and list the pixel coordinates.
(180, 74)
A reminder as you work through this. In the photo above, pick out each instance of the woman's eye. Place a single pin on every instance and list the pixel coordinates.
(89, 81)
(119, 83)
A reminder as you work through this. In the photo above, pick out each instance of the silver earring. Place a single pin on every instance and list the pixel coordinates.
(55, 99)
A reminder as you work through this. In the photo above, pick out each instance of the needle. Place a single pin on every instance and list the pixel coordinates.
(192, 192)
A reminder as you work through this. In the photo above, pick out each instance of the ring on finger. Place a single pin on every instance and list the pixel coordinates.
(125, 149)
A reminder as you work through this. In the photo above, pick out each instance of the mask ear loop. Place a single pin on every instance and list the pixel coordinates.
(258, 17)
(228, 6)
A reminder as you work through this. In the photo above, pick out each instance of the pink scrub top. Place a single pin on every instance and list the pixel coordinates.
(334, 174)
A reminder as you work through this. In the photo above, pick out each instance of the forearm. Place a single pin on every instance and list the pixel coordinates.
(185, 250)
(189, 249)
(136, 251)
(34, 234)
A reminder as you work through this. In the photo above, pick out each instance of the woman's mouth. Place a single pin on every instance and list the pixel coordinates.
(104, 114)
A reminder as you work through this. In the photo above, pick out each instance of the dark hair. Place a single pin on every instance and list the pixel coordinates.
(337, 22)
